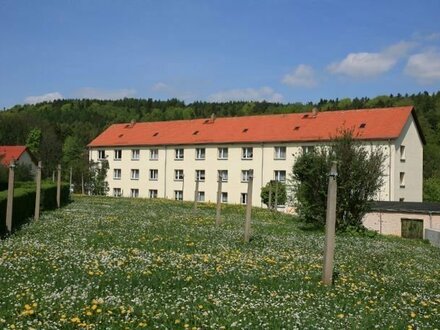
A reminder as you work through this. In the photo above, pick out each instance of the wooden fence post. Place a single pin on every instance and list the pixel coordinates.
(196, 194)
(70, 181)
(219, 200)
(38, 193)
(247, 224)
(10, 202)
(59, 186)
(330, 224)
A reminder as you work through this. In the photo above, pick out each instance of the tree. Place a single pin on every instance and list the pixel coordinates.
(33, 141)
(360, 176)
(271, 186)
(431, 189)
(98, 174)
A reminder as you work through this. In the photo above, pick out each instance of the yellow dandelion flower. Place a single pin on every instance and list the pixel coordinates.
(177, 321)
(341, 316)
(413, 315)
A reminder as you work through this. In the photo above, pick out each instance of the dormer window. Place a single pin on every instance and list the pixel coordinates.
(362, 125)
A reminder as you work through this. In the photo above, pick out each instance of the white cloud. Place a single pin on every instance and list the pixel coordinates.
(101, 94)
(247, 94)
(303, 76)
(43, 98)
(424, 67)
(364, 65)
(160, 87)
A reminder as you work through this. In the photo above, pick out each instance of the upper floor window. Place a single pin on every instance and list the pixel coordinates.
(247, 153)
(135, 154)
(200, 153)
(402, 153)
(200, 175)
(118, 154)
(178, 175)
(154, 175)
(245, 174)
(223, 174)
(179, 153)
(402, 179)
(117, 174)
(154, 154)
(135, 174)
(280, 176)
(101, 154)
(222, 153)
(152, 193)
(307, 149)
(280, 153)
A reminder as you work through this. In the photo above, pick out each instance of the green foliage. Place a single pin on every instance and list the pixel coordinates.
(98, 174)
(276, 188)
(33, 141)
(23, 172)
(431, 189)
(359, 179)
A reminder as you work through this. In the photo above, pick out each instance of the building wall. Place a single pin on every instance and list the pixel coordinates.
(388, 223)
(25, 159)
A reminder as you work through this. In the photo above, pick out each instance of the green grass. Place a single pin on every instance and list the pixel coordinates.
(107, 263)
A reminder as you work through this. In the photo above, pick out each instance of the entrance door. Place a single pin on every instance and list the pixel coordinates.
(412, 228)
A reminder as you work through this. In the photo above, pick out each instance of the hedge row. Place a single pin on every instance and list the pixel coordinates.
(24, 203)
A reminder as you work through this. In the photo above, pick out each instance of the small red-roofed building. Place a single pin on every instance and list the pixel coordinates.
(163, 159)
(19, 154)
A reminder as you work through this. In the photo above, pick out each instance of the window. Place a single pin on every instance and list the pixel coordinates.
(243, 198)
(280, 176)
(117, 192)
(280, 153)
(222, 153)
(224, 175)
(402, 179)
(117, 174)
(200, 153)
(245, 175)
(178, 195)
(200, 175)
(201, 196)
(135, 153)
(401, 199)
(118, 154)
(247, 153)
(178, 175)
(179, 153)
(152, 193)
(135, 174)
(101, 154)
(134, 193)
(307, 149)
(154, 154)
(154, 175)
(402, 153)
(224, 197)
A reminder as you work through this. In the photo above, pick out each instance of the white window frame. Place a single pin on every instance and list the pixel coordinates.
(135, 154)
(178, 175)
(153, 174)
(117, 154)
(307, 149)
(134, 174)
(154, 154)
(117, 192)
(115, 172)
(224, 197)
(200, 153)
(200, 196)
(280, 152)
(245, 175)
(243, 198)
(247, 153)
(223, 153)
(152, 193)
(278, 177)
(134, 192)
(178, 195)
(224, 175)
(101, 154)
(179, 153)
(200, 175)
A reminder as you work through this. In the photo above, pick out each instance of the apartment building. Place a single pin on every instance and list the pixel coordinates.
(164, 159)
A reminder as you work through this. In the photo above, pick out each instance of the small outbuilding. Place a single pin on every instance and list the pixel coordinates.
(19, 154)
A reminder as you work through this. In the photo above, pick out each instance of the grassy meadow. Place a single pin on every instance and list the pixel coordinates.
(119, 263)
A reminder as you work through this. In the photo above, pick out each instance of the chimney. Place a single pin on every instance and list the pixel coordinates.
(315, 111)
(212, 117)
(132, 123)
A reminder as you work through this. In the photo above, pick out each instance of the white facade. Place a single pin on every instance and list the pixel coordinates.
(156, 171)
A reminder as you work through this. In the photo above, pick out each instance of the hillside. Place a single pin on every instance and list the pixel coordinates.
(59, 131)
(133, 263)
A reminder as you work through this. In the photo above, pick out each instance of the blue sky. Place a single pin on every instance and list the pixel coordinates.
(217, 50)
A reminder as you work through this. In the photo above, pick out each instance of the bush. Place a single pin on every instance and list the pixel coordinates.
(24, 202)
(272, 185)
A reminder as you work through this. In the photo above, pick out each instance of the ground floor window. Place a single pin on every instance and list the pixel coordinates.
(243, 198)
(117, 192)
(178, 195)
(152, 193)
(201, 196)
(134, 193)
(224, 197)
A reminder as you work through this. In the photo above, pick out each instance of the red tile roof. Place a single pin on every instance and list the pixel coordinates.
(371, 124)
(8, 153)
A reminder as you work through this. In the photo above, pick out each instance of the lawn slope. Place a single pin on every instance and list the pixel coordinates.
(130, 263)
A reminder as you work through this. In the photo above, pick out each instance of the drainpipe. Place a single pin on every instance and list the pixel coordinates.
(389, 171)
(262, 168)
(380, 222)
(165, 175)
(430, 219)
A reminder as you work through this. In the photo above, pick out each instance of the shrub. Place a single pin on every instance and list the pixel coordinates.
(281, 195)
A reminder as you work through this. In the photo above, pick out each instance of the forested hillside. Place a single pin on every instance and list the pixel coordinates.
(59, 131)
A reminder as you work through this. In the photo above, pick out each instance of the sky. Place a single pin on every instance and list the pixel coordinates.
(217, 50)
